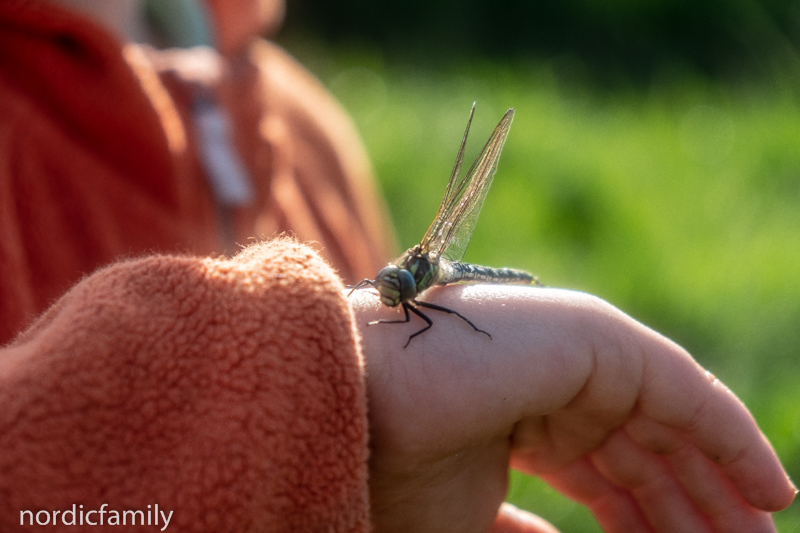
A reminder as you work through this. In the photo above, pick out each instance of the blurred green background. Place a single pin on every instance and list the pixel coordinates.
(654, 161)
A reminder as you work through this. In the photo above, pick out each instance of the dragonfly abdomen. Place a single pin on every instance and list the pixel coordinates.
(455, 272)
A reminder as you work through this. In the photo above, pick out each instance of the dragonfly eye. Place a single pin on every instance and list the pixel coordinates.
(408, 287)
(395, 285)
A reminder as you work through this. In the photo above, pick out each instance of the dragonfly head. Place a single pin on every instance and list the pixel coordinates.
(395, 285)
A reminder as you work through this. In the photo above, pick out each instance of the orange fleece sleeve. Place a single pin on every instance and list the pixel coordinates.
(227, 392)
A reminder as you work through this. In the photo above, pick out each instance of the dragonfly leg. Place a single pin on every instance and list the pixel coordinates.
(410, 307)
(420, 314)
(406, 308)
(362, 283)
(447, 310)
(386, 321)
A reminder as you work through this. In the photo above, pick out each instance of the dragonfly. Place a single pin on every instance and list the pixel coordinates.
(436, 260)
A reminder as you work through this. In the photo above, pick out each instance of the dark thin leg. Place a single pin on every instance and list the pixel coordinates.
(446, 310)
(406, 307)
(420, 314)
(385, 321)
(360, 284)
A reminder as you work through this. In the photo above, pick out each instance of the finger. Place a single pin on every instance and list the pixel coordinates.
(615, 510)
(704, 482)
(511, 519)
(651, 483)
(678, 393)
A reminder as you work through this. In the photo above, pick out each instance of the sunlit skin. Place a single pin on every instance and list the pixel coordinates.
(569, 388)
(236, 22)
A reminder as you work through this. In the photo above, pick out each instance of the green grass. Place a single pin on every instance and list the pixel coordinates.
(679, 204)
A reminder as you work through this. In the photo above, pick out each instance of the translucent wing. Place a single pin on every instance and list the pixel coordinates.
(453, 176)
(450, 232)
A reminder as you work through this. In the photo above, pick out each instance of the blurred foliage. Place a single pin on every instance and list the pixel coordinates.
(678, 202)
(610, 39)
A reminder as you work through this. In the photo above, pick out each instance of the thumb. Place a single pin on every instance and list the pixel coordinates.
(511, 519)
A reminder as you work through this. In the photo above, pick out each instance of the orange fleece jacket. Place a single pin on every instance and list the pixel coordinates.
(98, 158)
(228, 391)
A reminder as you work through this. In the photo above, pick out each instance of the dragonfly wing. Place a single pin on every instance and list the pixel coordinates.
(451, 184)
(450, 233)
(433, 241)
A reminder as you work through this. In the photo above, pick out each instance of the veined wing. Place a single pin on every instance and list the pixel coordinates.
(451, 230)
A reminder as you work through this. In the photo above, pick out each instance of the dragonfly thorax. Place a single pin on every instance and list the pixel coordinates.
(422, 267)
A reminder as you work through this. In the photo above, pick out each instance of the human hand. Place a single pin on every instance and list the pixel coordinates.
(570, 389)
